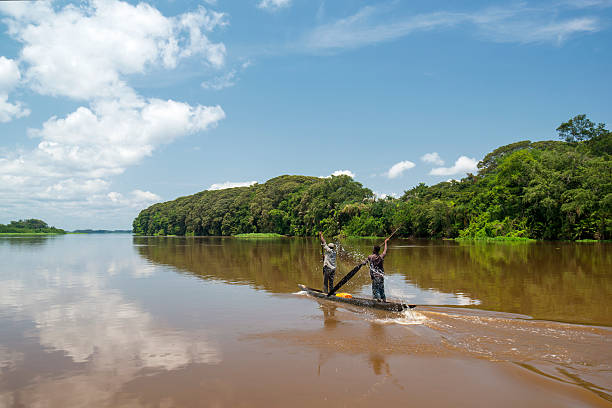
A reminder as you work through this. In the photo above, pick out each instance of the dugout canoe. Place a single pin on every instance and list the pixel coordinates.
(389, 306)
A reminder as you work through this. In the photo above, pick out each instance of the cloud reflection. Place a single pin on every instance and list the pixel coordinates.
(76, 312)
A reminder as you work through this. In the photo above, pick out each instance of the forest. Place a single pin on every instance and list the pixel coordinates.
(30, 226)
(550, 190)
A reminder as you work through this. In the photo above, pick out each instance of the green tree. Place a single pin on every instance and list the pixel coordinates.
(580, 128)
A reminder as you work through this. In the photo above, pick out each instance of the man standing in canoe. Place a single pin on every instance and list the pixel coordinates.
(377, 272)
(329, 264)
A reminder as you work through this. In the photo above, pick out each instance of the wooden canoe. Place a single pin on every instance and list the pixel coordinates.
(389, 306)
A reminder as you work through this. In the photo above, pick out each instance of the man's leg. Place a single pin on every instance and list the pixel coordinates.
(375, 294)
(330, 279)
(378, 289)
(326, 279)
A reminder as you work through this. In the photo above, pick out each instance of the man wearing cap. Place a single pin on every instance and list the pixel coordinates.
(329, 264)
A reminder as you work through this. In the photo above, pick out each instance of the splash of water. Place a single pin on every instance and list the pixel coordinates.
(390, 287)
(406, 318)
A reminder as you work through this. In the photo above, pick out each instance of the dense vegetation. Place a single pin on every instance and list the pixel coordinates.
(541, 190)
(31, 226)
(290, 205)
(92, 231)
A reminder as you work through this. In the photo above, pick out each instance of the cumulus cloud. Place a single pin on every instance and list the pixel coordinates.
(273, 5)
(136, 198)
(398, 168)
(9, 74)
(78, 153)
(83, 52)
(343, 173)
(9, 78)
(231, 184)
(433, 157)
(383, 196)
(87, 52)
(105, 139)
(463, 165)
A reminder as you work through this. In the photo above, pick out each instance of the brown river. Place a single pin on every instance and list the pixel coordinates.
(121, 321)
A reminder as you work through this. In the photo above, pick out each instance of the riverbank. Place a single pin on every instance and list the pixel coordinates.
(18, 234)
(259, 235)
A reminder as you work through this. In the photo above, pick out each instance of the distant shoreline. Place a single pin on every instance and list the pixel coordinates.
(78, 232)
(89, 231)
(6, 234)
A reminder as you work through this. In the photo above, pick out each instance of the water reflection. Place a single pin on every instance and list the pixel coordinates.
(329, 315)
(28, 241)
(69, 315)
(102, 321)
(276, 266)
(555, 281)
(378, 364)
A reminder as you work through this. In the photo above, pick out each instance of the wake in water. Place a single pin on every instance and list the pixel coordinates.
(406, 318)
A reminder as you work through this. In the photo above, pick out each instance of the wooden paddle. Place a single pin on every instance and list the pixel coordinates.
(353, 271)
(345, 279)
(392, 234)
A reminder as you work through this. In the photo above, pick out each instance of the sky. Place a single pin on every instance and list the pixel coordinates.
(109, 106)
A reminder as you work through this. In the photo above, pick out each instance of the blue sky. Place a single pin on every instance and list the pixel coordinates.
(107, 106)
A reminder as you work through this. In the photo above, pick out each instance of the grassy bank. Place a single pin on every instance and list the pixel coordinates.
(259, 235)
(495, 239)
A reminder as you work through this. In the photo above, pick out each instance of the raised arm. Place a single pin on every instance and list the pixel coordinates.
(385, 250)
(322, 239)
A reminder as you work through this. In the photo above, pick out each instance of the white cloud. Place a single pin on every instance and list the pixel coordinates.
(136, 199)
(343, 173)
(9, 74)
(382, 196)
(433, 157)
(536, 32)
(10, 111)
(78, 153)
(224, 81)
(86, 52)
(104, 140)
(463, 165)
(520, 23)
(83, 52)
(361, 29)
(231, 184)
(398, 168)
(9, 78)
(72, 188)
(273, 4)
(588, 3)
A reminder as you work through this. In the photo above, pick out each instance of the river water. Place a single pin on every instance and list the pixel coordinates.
(122, 321)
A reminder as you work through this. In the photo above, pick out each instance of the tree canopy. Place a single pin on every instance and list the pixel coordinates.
(29, 226)
(542, 190)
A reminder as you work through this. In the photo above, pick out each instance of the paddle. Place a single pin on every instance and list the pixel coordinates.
(345, 279)
(392, 234)
(352, 273)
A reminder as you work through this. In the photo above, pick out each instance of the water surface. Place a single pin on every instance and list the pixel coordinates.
(116, 320)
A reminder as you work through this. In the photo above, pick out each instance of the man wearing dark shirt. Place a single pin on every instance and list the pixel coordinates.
(377, 272)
